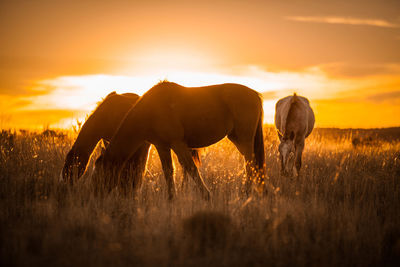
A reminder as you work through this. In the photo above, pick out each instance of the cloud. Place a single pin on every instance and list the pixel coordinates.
(23, 119)
(391, 97)
(344, 20)
(384, 97)
(72, 97)
(359, 70)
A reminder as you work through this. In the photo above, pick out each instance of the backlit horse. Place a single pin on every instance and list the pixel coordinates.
(102, 124)
(294, 120)
(173, 117)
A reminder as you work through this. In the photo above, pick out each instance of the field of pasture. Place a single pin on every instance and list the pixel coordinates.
(343, 210)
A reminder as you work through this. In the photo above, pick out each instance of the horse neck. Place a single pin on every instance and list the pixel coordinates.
(130, 135)
(88, 137)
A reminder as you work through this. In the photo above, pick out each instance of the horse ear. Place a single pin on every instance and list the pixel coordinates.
(104, 146)
(105, 143)
(291, 137)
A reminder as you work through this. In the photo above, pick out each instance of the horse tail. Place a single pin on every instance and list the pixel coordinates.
(294, 98)
(196, 157)
(259, 146)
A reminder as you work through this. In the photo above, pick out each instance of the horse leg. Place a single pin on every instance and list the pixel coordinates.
(135, 168)
(185, 180)
(281, 162)
(168, 169)
(246, 149)
(196, 159)
(251, 173)
(185, 158)
(299, 152)
(124, 185)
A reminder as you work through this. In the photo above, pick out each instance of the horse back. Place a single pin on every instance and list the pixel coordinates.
(198, 102)
(200, 115)
(294, 114)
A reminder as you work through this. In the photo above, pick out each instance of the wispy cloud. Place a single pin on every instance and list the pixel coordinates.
(80, 93)
(344, 20)
(385, 96)
(359, 70)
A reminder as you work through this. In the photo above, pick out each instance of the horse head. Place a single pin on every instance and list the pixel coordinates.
(74, 165)
(287, 154)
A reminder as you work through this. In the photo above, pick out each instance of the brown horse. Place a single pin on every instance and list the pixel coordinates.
(101, 125)
(294, 120)
(171, 116)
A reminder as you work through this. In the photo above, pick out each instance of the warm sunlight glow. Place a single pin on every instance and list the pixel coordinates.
(166, 59)
(82, 93)
(60, 58)
(131, 132)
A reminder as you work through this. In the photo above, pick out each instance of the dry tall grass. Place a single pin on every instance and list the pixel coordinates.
(342, 210)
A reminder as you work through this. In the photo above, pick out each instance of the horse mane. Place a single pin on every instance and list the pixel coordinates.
(110, 94)
(166, 82)
(163, 82)
(103, 99)
(113, 93)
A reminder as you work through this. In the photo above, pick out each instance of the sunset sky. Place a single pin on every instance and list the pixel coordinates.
(58, 58)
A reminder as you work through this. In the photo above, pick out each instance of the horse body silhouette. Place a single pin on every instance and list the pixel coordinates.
(173, 117)
(102, 124)
(294, 120)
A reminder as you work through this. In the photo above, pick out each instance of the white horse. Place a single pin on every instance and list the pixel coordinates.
(294, 120)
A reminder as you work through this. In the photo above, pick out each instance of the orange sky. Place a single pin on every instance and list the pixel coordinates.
(58, 58)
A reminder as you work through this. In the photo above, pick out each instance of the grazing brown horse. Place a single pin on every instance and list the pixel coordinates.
(102, 124)
(173, 117)
(294, 120)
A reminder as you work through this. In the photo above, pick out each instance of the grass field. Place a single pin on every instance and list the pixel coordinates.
(344, 209)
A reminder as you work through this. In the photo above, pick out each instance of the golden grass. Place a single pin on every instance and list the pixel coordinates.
(342, 210)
